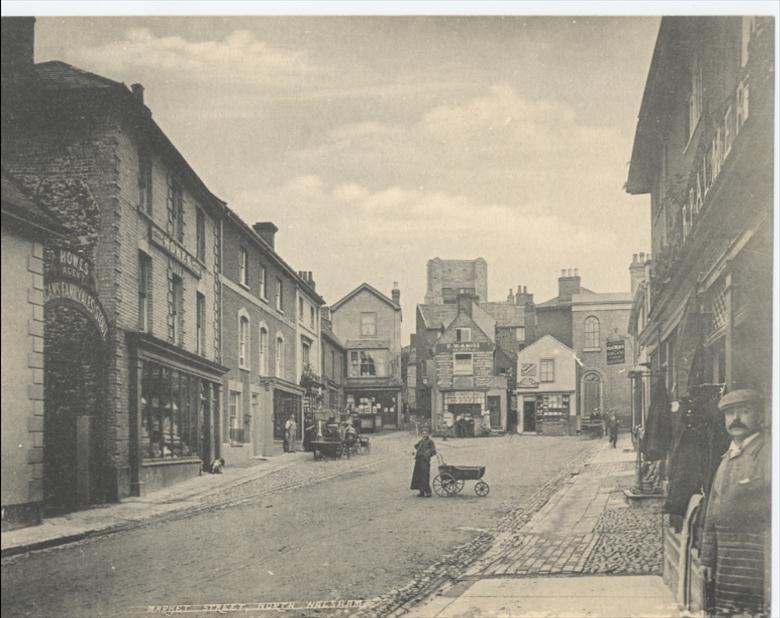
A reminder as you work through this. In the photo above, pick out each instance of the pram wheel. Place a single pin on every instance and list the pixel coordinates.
(442, 485)
(482, 489)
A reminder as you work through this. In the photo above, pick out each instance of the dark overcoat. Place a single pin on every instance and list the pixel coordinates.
(736, 529)
(421, 476)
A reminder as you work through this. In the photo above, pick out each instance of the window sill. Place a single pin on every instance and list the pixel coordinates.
(245, 286)
(591, 349)
(243, 368)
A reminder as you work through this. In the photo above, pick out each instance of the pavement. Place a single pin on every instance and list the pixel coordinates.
(199, 492)
(586, 552)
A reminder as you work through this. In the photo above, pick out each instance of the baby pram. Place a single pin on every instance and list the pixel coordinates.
(451, 479)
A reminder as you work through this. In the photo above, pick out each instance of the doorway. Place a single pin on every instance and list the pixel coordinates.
(591, 395)
(529, 416)
(74, 384)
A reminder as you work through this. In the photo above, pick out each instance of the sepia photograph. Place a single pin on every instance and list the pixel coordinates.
(390, 309)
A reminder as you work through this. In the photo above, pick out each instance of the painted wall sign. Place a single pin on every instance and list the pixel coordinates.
(64, 264)
(527, 382)
(465, 397)
(528, 369)
(616, 351)
(175, 250)
(70, 291)
(465, 347)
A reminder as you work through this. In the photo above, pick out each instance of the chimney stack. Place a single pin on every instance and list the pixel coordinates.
(396, 293)
(266, 230)
(138, 92)
(510, 298)
(569, 283)
(523, 298)
(465, 301)
(637, 270)
(18, 46)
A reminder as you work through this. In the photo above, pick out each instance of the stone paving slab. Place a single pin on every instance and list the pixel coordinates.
(564, 597)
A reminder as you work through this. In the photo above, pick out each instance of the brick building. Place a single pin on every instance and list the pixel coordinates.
(334, 370)
(369, 324)
(703, 151)
(268, 339)
(464, 381)
(143, 233)
(446, 277)
(595, 326)
(25, 229)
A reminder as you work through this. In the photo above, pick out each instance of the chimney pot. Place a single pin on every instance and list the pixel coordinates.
(396, 293)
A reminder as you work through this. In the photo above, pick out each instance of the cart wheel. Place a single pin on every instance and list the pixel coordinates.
(482, 489)
(441, 485)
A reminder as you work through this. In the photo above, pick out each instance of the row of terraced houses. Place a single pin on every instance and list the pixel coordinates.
(147, 329)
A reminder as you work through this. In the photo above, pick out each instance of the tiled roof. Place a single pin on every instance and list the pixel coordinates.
(15, 201)
(438, 316)
(505, 314)
(370, 288)
(59, 75)
(367, 344)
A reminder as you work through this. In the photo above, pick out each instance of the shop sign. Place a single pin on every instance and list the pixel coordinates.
(471, 346)
(527, 382)
(176, 251)
(465, 397)
(616, 351)
(528, 369)
(67, 265)
(70, 291)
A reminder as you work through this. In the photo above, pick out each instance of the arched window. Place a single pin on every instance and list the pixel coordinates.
(591, 332)
(279, 357)
(243, 341)
(263, 348)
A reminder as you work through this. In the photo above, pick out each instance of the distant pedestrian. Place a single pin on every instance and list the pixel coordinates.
(421, 477)
(309, 433)
(217, 465)
(613, 424)
(290, 433)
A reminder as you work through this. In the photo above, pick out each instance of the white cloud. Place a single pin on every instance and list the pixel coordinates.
(236, 58)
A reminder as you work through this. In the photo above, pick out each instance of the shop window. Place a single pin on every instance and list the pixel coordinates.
(144, 293)
(592, 333)
(463, 364)
(368, 324)
(235, 420)
(463, 335)
(547, 370)
(200, 327)
(243, 341)
(263, 351)
(169, 415)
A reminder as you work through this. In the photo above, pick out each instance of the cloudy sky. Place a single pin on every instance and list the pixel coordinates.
(376, 143)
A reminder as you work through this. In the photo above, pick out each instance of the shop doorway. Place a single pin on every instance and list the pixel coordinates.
(286, 405)
(529, 416)
(494, 406)
(591, 395)
(74, 463)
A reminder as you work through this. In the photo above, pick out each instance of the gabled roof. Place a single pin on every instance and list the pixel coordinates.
(485, 321)
(538, 342)
(505, 314)
(56, 75)
(437, 317)
(368, 288)
(17, 204)
(562, 301)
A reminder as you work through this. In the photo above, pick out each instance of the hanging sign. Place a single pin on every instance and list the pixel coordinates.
(616, 351)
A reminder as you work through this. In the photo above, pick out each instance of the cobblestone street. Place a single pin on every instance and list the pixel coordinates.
(347, 529)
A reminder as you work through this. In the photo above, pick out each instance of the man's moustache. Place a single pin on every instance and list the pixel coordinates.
(737, 424)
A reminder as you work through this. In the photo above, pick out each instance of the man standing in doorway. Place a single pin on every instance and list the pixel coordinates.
(737, 523)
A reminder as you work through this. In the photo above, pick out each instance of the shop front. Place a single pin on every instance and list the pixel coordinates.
(175, 413)
(288, 403)
(375, 408)
(465, 410)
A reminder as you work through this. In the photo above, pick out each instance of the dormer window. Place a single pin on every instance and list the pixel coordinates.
(463, 335)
